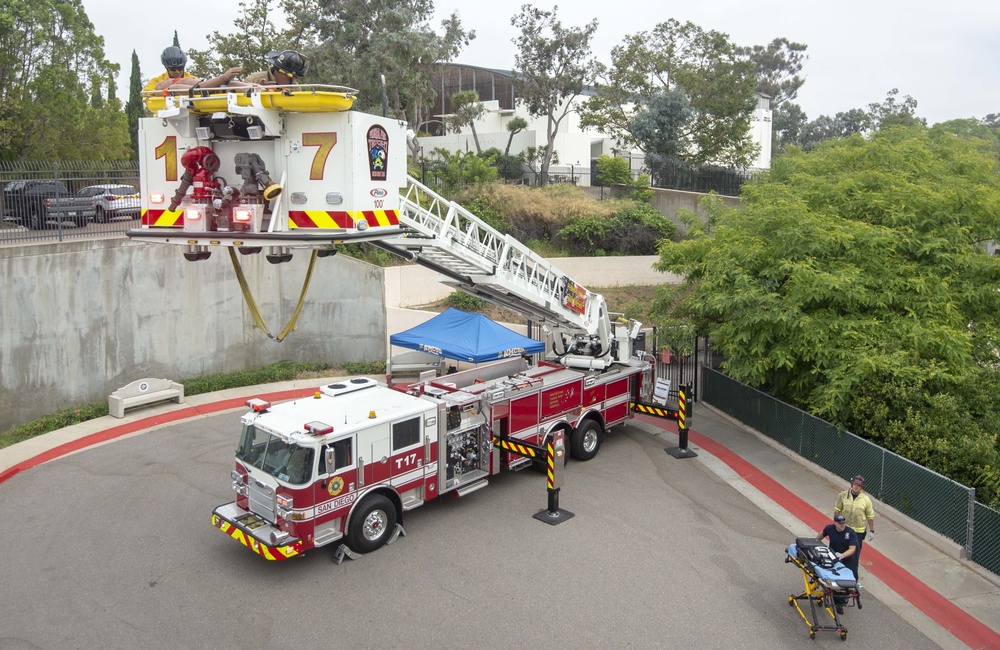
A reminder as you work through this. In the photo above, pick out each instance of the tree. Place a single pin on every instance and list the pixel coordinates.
(134, 107)
(467, 109)
(177, 41)
(659, 126)
(853, 266)
(841, 125)
(703, 65)
(355, 42)
(247, 47)
(616, 173)
(552, 63)
(893, 113)
(454, 170)
(533, 157)
(514, 126)
(777, 66)
(787, 121)
(51, 57)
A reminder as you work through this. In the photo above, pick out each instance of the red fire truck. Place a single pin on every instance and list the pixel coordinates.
(342, 467)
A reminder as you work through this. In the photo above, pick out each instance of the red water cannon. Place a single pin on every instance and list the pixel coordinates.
(199, 164)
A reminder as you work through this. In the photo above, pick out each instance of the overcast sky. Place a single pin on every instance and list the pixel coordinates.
(946, 55)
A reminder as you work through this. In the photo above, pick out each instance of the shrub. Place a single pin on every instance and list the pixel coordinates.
(465, 301)
(639, 229)
(537, 213)
(636, 229)
(484, 207)
(585, 235)
(509, 167)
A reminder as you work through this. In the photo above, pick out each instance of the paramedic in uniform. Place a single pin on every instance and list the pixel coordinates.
(856, 507)
(284, 69)
(844, 542)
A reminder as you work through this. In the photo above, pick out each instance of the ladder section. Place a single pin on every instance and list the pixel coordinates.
(478, 259)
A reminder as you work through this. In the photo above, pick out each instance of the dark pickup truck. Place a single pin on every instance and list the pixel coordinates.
(39, 204)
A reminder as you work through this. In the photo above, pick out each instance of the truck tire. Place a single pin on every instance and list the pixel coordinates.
(586, 440)
(372, 524)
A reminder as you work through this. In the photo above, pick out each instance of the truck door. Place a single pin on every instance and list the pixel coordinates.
(335, 488)
(376, 457)
(407, 465)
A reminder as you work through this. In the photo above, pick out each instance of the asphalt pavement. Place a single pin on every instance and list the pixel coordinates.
(674, 551)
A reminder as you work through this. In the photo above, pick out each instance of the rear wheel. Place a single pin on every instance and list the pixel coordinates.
(371, 525)
(586, 440)
(100, 216)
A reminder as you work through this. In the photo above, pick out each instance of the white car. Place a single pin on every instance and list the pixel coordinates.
(113, 201)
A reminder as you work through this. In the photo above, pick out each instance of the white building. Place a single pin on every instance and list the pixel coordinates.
(576, 147)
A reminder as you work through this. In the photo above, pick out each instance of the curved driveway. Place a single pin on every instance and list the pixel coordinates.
(112, 547)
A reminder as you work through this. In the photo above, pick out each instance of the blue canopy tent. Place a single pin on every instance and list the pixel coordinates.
(473, 338)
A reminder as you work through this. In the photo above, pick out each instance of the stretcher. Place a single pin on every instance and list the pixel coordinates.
(312, 98)
(826, 580)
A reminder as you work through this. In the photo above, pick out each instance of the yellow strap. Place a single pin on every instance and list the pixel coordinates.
(302, 297)
(251, 304)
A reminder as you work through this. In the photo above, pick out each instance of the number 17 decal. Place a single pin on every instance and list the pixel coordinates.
(325, 142)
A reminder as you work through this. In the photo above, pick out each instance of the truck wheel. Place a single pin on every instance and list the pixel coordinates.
(100, 216)
(586, 440)
(372, 524)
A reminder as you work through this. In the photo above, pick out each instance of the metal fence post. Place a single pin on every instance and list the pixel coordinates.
(55, 177)
(972, 523)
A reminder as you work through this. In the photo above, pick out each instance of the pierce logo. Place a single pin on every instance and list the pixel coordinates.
(378, 192)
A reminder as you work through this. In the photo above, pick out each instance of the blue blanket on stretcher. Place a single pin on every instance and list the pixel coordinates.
(821, 561)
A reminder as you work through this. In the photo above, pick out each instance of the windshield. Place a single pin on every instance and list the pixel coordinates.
(282, 460)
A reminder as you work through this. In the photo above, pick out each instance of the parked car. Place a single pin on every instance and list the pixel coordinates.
(113, 201)
(39, 204)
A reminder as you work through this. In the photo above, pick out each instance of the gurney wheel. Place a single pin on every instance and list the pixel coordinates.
(812, 634)
(843, 636)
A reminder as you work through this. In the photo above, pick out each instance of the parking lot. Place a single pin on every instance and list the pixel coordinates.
(113, 547)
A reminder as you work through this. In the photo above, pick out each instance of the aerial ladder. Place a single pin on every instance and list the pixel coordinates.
(477, 259)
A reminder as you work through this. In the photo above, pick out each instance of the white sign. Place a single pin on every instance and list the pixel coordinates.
(661, 391)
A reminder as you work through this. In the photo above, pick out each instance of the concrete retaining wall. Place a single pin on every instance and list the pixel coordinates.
(81, 319)
(670, 201)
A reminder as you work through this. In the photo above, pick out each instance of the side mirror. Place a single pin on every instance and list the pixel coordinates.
(329, 459)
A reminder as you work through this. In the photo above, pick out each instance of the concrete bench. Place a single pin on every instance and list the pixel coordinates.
(142, 392)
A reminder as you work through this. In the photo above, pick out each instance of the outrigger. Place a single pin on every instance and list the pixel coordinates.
(826, 579)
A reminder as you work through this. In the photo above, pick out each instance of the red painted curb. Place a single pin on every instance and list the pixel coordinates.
(145, 423)
(957, 621)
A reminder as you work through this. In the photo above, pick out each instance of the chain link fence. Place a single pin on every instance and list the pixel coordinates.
(26, 218)
(937, 502)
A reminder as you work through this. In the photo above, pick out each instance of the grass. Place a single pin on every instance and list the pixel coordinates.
(281, 371)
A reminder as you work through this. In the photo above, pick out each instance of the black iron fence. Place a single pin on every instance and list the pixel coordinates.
(680, 175)
(683, 365)
(936, 501)
(19, 225)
